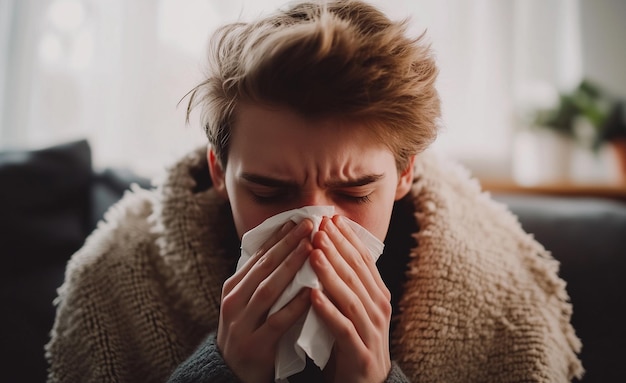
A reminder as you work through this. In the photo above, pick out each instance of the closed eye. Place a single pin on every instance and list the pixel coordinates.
(355, 198)
(270, 195)
(362, 199)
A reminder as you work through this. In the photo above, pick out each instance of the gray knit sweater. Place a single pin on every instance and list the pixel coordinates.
(482, 301)
(207, 365)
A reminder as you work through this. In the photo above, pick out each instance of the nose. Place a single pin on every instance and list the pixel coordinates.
(322, 198)
(316, 198)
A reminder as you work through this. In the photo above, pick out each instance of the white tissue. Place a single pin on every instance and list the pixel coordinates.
(309, 336)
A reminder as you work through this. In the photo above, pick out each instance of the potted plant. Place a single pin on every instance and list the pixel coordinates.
(592, 105)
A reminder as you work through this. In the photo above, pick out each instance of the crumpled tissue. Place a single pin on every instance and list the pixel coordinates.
(309, 336)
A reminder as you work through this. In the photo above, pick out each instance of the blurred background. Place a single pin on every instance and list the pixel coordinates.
(114, 72)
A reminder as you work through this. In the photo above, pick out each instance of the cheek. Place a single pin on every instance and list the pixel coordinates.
(378, 224)
(374, 217)
(244, 213)
(247, 214)
(380, 216)
(240, 221)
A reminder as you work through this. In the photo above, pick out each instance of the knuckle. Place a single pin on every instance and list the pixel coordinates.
(357, 266)
(351, 280)
(228, 286)
(344, 330)
(382, 317)
(386, 294)
(275, 323)
(352, 309)
(366, 362)
(386, 309)
(265, 291)
(265, 264)
(229, 304)
(380, 321)
(231, 331)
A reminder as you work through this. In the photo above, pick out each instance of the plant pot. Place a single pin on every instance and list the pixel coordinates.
(619, 148)
(542, 156)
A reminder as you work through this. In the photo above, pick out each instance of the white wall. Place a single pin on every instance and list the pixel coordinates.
(603, 24)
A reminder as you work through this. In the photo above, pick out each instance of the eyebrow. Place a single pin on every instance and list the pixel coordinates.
(266, 181)
(335, 184)
(360, 181)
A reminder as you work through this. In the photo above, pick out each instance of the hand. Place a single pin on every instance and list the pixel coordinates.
(355, 304)
(246, 336)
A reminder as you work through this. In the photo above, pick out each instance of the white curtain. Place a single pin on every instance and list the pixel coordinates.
(114, 71)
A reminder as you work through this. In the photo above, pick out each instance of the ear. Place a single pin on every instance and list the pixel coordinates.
(218, 175)
(405, 179)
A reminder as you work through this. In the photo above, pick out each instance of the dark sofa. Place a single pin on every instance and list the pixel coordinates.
(51, 199)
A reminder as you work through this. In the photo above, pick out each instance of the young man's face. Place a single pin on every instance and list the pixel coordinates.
(279, 161)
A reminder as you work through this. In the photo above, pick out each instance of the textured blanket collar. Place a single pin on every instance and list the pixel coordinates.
(480, 294)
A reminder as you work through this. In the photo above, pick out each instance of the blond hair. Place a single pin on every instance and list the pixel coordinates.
(340, 59)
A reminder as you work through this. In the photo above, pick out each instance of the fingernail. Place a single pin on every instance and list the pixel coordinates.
(287, 226)
(329, 225)
(339, 220)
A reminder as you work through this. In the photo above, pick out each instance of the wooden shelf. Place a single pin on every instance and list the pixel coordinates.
(612, 191)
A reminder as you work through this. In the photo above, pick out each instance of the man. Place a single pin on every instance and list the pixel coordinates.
(319, 104)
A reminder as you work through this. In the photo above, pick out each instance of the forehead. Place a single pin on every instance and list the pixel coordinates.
(282, 138)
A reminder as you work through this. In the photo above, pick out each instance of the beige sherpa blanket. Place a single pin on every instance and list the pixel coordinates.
(482, 303)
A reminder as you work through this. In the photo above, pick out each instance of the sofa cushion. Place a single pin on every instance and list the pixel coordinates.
(44, 200)
(588, 236)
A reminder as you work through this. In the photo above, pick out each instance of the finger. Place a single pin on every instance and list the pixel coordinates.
(322, 240)
(342, 329)
(282, 320)
(350, 264)
(271, 288)
(269, 261)
(339, 251)
(348, 303)
(364, 260)
(271, 241)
